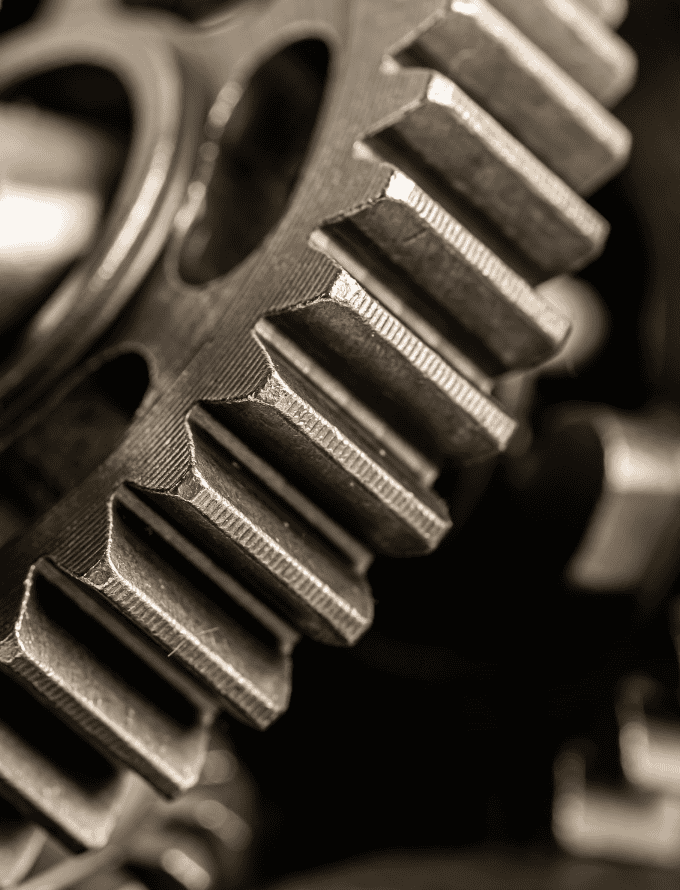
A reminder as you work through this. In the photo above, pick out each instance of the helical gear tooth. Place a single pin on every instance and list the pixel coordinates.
(266, 548)
(450, 277)
(613, 12)
(204, 621)
(505, 73)
(578, 41)
(21, 842)
(399, 376)
(115, 690)
(477, 162)
(53, 776)
(335, 458)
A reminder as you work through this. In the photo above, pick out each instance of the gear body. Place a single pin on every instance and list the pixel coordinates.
(308, 375)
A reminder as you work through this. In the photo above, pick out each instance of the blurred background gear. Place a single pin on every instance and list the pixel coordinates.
(486, 673)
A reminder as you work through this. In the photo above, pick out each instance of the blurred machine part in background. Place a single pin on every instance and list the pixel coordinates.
(281, 281)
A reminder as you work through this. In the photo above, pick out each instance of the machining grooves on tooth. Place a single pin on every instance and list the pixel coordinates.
(266, 546)
(454, 278)
(409, 384)
(523, 88)
(311, 437)
(541, 217)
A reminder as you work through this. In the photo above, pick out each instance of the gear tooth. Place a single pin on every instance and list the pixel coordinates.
(397, 374)
(279, 486)
(20, 844)
(287, 563)
(298, 422)
(450, 277)
(579, 42)
(116, 691)
(525, 91)
(477, 164)
(202, 618)
(613, 12)
(54, 776)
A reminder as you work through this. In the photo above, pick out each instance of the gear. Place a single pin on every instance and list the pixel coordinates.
(315, 331)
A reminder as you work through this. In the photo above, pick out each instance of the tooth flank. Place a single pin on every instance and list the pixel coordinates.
(271, 548)
(53, 776)
(486, 167)
(296, 573)
(578, 41)
(448, 272)
(100, 677)
(279, 486)
(507, 75)
(206, 623)
(401, 378)
(332, 457)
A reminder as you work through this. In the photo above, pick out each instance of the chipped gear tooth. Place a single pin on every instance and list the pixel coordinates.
(478, 161)
(525, 91)
(576, 39)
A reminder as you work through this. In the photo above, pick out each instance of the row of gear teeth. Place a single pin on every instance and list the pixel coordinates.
(461, 205)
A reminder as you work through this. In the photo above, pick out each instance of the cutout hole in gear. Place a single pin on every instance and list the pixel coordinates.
(262, 151)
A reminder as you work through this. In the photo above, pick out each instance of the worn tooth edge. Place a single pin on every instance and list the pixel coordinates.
(343, 451)
(513, 287)
(501, 427)
(546, 184)
(134, 603)
(261, 547)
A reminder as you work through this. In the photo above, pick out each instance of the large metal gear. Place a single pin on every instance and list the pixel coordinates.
(329, 241)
